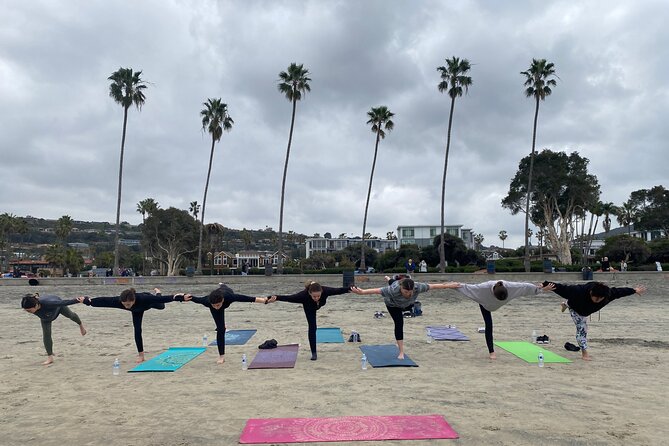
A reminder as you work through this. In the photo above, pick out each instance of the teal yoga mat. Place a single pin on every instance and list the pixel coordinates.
(386, 356)
(170, 360)
(236, 337)
(529, 352)
(329, 335)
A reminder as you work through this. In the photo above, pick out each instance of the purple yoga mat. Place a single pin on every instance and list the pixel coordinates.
(282, 357)
(446, 333)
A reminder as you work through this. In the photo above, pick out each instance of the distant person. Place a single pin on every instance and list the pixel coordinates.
(245, 268)
(492, 295)
(658, 266)
(423, 266)
(398, 296)
(623, 265)
(606, 265)
(48, 308)
(217, 301)
(137, 304)
(410, 266)
(583, 300)
(313, 297)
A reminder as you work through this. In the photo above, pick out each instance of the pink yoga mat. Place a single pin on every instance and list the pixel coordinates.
(306, 430)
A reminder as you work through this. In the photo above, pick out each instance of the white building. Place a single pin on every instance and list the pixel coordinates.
(424, 235)
(330, 245)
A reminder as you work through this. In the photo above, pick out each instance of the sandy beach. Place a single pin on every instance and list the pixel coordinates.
(619, 398)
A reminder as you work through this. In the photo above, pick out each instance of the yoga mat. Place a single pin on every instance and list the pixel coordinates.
(282, 357)
(529, 352)
(329, 335)
(446, 333)
(236, 337)
(170, 360)
(386, 356)
(306, 430)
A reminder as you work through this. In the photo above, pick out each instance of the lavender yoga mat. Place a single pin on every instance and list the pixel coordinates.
(359, 428)
(282, 357)
(446, 333)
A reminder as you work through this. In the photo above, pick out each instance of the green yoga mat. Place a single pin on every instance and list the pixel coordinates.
(170, 360)
(529, 352)
(329, 335)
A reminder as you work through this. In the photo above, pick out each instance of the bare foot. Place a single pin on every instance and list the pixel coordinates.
(401, 356)
(493, 355)
(49, 360)
(140, 358)
(82, 329)
(563, 307)
(585, 356)
(220, 360)
(387, 278)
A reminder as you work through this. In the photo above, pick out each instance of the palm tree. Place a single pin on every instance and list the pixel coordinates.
(379, 118)
(63, 228)
(541, 234)
(607, 210)
(538, 80)
(502, 237)
(453, 79)
(293, 84)
(127, 88)
(627, 215)
(146, 207)
(194, 209)
(478, 239)
(215, 119)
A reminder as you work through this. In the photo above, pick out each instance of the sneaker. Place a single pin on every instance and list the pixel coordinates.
(543, 339)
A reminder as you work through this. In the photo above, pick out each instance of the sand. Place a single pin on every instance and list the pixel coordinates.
(620, 397)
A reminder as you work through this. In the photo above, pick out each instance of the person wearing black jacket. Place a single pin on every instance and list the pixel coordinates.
(585, 299)
(137, 304)
(48, 308)
(313, 297)
(217, 301)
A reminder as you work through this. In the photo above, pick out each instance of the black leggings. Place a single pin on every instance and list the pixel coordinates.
(311, 321)
(487, 318)
(398, 318)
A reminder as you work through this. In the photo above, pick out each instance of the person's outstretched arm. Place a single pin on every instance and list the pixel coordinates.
(356, 290)
(443, 286)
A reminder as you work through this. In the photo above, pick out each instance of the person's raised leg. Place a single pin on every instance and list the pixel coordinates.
(65, 311)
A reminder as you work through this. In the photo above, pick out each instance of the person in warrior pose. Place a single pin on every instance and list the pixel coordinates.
(584, 299)
(493, 294)
(48, 308)
(400, 295)
(313, 297)
(217, 301)
(137, 304)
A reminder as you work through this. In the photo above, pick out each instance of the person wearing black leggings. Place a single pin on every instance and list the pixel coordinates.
(48, 308)
(217, 301)
(398, 296)
(137, 304)
(313, 297)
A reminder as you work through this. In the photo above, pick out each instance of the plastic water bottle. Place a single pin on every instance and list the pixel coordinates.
(245, 365)
(116, 368)
(428, 334)
(534, 336)
(541, 359)
(205, 340)
(363, 362)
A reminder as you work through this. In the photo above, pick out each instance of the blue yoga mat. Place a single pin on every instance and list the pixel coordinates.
(329, 335)
(170, 360)
(446, 333)
(386, 356)
(236, 337)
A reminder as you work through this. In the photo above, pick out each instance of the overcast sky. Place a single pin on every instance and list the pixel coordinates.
(60, 131)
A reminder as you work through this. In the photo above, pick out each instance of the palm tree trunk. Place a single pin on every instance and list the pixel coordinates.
(363, 266)
(442, 254)
(279, 268)
(529, 189)
(118, 198)
(204, 205)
